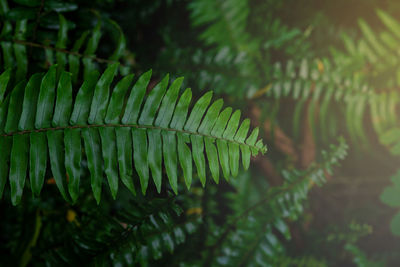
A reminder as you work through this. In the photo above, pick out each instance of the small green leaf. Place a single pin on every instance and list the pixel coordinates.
(62, 111)
(155, 156)
(140, 157)
(18, 166)
(27, 119)
(100, 99)
(153, 102)
(124, 150)
(121, 42)
(181, 110)
(80, 113)
(251, 141)
(15, 108)
(222, 145)
(56, 154)
(115, 107)
(168, 104)
(198, 157)
(92, 141)
(371, 38)
(168, 242)
(234, 158)
(170, 158)
(133, 106)
(73, 157)
(224, 157)
(62, 33)
(109, 150)
(246, 155)
(7, 48)
(211, 117)
(390, 22)
(197, 113)
(232, 126)
(92, 44)
(185, 158)
(242, 132)
(20, 50)
(74, 60)
(38, 161)
(46, 99)
(61, 44)
(212, 157)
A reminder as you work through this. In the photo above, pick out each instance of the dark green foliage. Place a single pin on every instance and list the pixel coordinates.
(254, 236)
(130, 237)
(55, 45)
(340, 80)
(79, 109)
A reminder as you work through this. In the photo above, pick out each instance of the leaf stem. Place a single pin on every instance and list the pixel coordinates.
(128, 126)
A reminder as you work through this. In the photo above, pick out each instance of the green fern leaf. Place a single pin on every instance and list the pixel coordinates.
(149, 134)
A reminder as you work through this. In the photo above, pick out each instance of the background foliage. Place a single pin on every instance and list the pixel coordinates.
(304, 71)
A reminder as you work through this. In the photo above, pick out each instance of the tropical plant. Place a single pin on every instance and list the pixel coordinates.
(80, 109)
(33, 127)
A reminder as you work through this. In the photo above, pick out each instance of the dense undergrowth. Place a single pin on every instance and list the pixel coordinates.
(114, 151)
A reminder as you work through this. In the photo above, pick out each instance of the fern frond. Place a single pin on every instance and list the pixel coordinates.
(360, 258)
(40, 119)
(132, 237)
(254, 243)
(68, 55)
(252, 237)
(319, 85)
(375, 54)
(226, 21)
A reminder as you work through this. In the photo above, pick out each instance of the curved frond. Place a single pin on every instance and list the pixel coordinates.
(122, 131)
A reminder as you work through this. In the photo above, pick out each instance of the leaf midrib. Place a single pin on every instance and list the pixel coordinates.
(62, 128)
